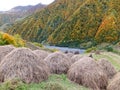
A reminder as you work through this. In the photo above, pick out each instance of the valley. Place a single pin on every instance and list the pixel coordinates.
(65, 45)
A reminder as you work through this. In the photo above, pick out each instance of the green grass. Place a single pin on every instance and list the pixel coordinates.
(55, 82)
(38, 44)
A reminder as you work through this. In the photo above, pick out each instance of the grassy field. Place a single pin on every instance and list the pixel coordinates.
(60, 82)
(55, 82)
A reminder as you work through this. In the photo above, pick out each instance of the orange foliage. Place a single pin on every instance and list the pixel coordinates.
(107, 31)
(8, 39)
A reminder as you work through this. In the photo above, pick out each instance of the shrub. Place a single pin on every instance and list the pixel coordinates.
(16, 40)
(109, 48)
(8, 39)
(19, 41)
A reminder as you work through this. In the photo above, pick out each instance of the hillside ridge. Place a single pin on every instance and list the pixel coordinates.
(71, 23)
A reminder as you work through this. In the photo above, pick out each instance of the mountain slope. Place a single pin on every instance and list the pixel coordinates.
(18, 12)
(23, 10)
(71, 22)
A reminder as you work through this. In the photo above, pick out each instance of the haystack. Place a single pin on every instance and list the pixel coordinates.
(107, 67)
(76, 58)
(4, 50)
(114, 83)
(22, 63)
(70, 55)
(58, 63)
(76, 52)
(41, 54)
(86, 72)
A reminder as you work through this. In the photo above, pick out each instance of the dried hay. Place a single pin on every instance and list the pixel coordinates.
(70, 55)
(58, 63)
(22, 63)
(87, 72)
(76, 58)
(41, 54)
(76, 52)
(107, 67)
(114, 83)
(97, 52)
(4, 50)
(66, 52)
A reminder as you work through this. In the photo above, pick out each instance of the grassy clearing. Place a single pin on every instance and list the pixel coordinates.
(55, 82)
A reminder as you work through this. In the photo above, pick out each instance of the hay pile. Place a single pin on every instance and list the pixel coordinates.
(76, 58)
(58, 63)
(4, 50)
(86, 72)
(41, 54)
(70, 55)
(114, 83)
(97, 52)
(22, 63)
(107, 68)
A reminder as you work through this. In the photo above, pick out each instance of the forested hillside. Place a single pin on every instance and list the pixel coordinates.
(72, 22)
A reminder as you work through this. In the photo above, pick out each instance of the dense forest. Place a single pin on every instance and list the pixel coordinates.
(77, 23)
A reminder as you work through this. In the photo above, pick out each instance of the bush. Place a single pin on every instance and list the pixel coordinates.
(19, 41)
(16, 40)
(109, 48)
(8, 39)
